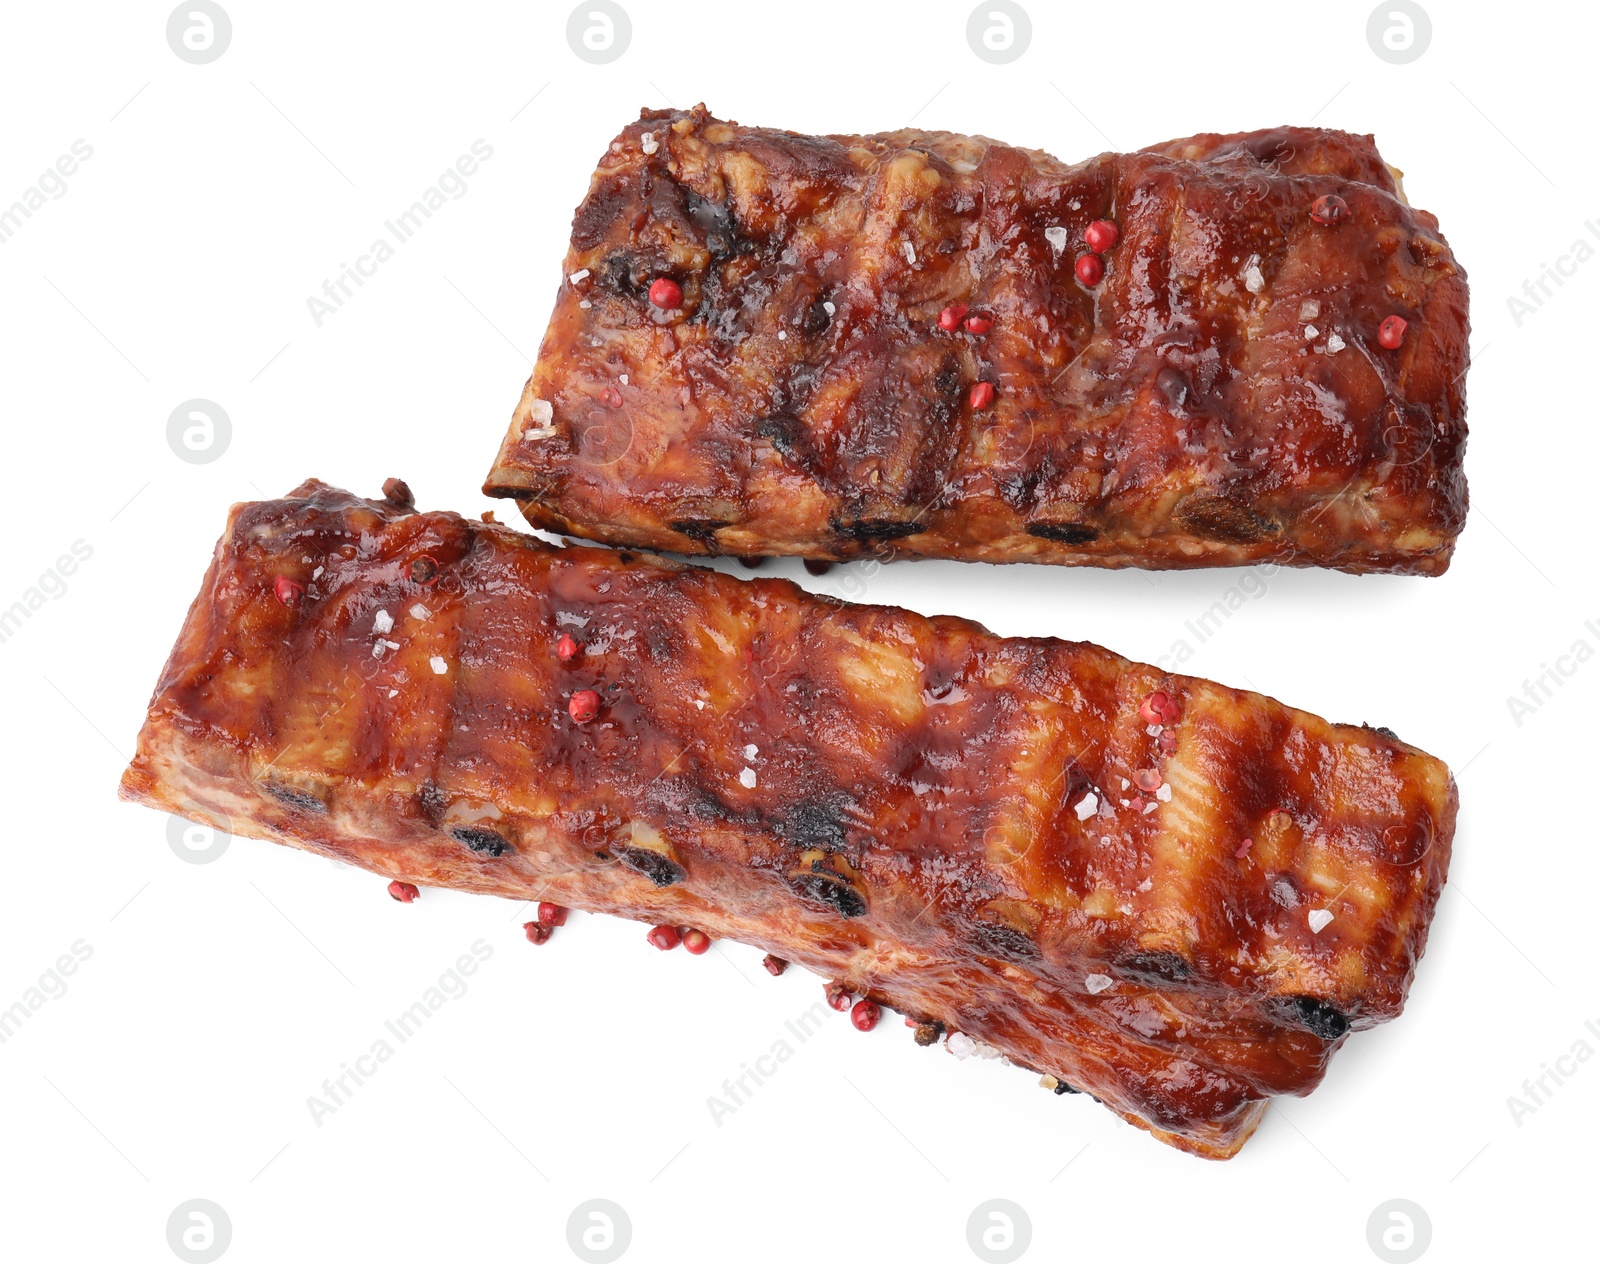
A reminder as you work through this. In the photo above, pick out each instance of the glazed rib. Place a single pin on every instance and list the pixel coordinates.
(1220, 397)
(1175, 896)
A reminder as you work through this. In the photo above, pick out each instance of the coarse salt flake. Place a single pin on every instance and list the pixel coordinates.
(1097, 983)
(439, 665)
(1087, 806)
(747, 778)
(648, 143)
(383, 621)
(1154, 730)
(1310, 309)
(1149, 808)
(1164, 793)
(317, 574)
(1311, 333)
(1335, 344)
(394, 693)
(783, 335)
(1057, 237)
(394, 645)
(829, 308)
(419, 611)
(986, 1051)
(582, 274)
(1253, 280)
(541, 412)
(377, 649)
(585, 304)
(961, 1044)
(700, 704)
(909, 251)
(1317, 919)
(751, 751)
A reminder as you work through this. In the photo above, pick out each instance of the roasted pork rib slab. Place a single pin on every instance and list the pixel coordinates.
(1220, 397)
(1175, 896)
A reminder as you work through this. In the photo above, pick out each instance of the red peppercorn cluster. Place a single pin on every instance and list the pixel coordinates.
(1158, 707)
(1089, 267)
(550, 916)
(955, 317)
(288, 591)
(667, 938)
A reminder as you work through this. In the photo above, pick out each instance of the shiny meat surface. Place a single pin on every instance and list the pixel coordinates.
(1221, 395)
(1175, 896)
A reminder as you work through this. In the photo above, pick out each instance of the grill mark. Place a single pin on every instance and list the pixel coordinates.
(1064, 532)
(485, 842)
(300, 800)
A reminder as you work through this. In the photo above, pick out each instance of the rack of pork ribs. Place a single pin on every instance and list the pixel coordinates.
(1177, 897)
(1219, 350)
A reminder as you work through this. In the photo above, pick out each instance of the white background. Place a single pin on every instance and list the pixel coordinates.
(218, 997)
